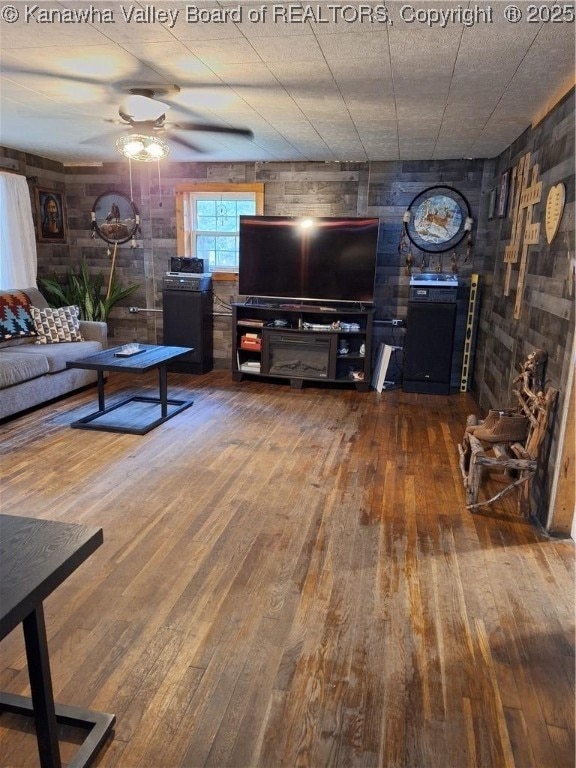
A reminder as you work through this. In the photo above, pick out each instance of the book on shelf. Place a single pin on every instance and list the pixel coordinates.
(250, 323)
(250, 366)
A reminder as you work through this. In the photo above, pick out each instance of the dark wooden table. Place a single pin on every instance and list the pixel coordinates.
(36, 556)
(138, 420)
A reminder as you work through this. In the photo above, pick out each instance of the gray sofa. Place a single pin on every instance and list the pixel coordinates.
(32, 374)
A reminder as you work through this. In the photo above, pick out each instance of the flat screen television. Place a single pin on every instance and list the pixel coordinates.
(320, 258)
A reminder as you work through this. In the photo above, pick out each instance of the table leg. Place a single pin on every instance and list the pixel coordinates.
(101, 404)
(163, 387)
(41, 688)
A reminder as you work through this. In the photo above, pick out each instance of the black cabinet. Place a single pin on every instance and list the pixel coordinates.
(302, 343)
(188, 322)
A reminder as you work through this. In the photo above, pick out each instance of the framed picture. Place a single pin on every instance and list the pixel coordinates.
(492, 203)
(437, 219)
(502, 198)
(50, 216)
(114, 217)
(511, 192)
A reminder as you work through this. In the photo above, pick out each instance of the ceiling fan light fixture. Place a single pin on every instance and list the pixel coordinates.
(145, 149)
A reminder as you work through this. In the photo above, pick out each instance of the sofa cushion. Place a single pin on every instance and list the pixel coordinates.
(16, 367)
(36, 298)
(15, 315)
(4, 344)
(58, 355)
(56, 325)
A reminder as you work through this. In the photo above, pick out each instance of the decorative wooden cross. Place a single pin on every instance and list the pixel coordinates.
(525, 198)
(519, 182)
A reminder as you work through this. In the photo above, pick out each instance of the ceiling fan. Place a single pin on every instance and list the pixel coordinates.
(143, 112)
(143, 116)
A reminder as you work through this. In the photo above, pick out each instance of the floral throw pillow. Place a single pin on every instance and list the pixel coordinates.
(56, 325)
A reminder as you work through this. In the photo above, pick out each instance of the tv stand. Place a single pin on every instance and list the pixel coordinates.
(302, 342)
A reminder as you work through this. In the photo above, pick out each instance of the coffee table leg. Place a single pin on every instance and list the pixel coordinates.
(163, 387)
(101, 404)
(41, 688)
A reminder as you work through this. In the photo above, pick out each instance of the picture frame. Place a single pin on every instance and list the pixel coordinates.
(436, 220)
(492, 203)
(115, 218)
(512, 203)
(51, 221)
(502, 197)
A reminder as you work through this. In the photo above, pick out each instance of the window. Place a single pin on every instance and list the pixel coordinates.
(214, 227)
(208, 221)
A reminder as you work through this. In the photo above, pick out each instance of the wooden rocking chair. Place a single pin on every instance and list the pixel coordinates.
(518, 461)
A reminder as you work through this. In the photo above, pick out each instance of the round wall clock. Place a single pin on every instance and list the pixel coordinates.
(436, 218)
(114, 217)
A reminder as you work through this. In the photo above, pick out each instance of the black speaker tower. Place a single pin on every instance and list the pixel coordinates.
(188, 322)
(428, 347)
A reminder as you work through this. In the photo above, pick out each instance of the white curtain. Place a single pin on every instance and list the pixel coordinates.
(18, 259)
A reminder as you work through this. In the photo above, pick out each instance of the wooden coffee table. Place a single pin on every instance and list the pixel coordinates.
(138, 415)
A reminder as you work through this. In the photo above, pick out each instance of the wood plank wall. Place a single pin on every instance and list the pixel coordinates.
(547, 317)
(326, 189)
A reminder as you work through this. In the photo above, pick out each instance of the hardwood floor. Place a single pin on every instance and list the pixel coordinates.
(291, 578)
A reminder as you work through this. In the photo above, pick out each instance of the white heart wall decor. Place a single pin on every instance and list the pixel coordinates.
(554, 210)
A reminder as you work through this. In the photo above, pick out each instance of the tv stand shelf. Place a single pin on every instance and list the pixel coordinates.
(302, 342)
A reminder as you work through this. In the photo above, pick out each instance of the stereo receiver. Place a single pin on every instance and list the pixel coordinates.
(182, 282)
(433, 287)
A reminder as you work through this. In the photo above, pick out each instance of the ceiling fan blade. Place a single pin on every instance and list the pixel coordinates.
(158, 91)
(183, 142)
(103, 137)
(214, 128)
(7, 69)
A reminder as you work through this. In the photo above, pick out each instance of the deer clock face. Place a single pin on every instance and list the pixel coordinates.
(437, 219)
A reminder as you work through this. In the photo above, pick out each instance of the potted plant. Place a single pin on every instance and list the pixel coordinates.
(86, 291)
